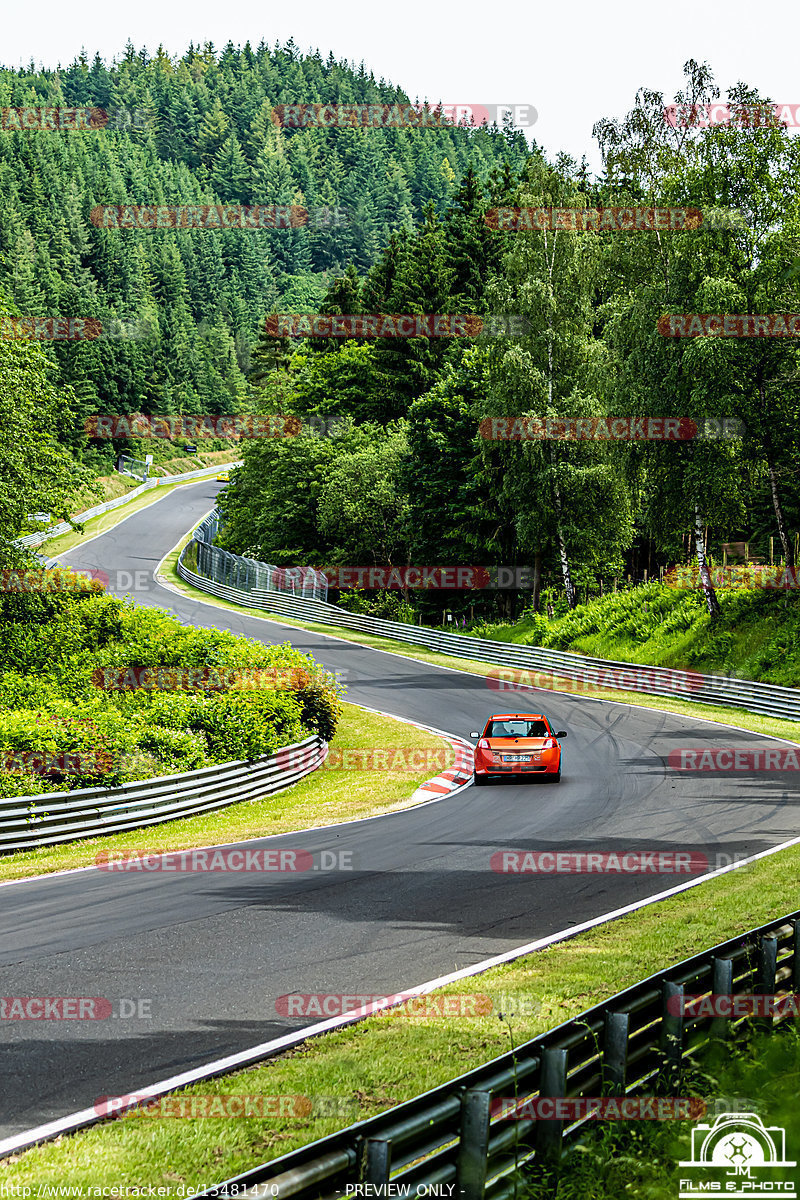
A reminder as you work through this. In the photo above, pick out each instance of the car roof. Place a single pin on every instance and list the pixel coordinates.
(521, 716)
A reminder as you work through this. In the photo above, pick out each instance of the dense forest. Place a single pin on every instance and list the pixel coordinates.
(406, 474)
(198, 130)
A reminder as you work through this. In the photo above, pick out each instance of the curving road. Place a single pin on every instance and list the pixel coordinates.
(212, 952)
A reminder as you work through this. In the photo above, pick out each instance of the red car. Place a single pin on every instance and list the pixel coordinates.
(517, 744)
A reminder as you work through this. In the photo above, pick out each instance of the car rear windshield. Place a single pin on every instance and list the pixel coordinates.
(515, 729)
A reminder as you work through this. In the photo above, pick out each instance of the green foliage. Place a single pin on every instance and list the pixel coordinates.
(62, 727)
(389, 605)
(756, 637)
(37, 472)
(181, 310)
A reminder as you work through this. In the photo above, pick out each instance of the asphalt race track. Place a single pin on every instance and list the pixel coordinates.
(213, 951)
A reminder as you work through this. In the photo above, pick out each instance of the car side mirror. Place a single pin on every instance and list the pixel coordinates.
(477, 735)
(563, 733)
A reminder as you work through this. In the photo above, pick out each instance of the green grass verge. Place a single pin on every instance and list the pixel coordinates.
(390, 1058)
(773, 727)
(326, 797)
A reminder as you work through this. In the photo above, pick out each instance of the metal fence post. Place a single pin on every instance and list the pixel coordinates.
(795, 956)
(766, 971)
(473, 1147)
(767, 965)
(615, 1050)
(377, 1160)
(672, 1024)
(721, 985)
(552, 1084)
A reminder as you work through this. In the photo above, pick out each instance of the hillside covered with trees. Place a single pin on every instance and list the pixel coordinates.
(393, 467)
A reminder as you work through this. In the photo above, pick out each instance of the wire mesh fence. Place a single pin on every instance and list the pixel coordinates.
(134, 467)
(250, 575)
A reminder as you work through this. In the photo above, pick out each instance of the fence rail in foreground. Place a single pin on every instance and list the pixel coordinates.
(632, 1044)
(586, 673)
(53, 818)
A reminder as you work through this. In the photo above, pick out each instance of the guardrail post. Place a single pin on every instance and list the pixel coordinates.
(473, 1146)
(552, 1084)
(615, 1050)
(767, 965)
(721, 985)
(672, 1024)
(795, 956)
(766, 971)
(377, 1160)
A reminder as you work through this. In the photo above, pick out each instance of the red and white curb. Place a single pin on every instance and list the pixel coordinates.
(455, 777)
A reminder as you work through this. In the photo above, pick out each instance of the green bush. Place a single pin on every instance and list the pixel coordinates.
(63, 726)
(176, 749)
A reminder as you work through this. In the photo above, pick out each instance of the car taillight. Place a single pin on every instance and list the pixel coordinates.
(549, 744)
(483, 744)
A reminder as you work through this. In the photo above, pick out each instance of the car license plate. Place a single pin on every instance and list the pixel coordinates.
(516, 758)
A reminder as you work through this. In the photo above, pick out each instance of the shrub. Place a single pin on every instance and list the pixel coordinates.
(50, 706)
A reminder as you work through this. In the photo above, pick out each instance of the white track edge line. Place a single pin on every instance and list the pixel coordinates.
(89, 1116)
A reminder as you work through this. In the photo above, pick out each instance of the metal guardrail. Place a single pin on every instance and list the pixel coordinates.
(248, 575)
(53, 818)
(633, 1044)
(564, 671)
(36, 539)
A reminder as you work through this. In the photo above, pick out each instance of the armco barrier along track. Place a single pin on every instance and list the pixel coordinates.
(56, 817)
(586, 673)
(632, 1044)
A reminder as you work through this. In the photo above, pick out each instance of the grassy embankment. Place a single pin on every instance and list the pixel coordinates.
(757, 635)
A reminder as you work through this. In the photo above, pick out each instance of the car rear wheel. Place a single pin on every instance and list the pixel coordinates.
(557, 776)
(479, 780)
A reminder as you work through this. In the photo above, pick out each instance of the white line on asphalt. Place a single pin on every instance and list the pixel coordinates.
(221, 1066)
